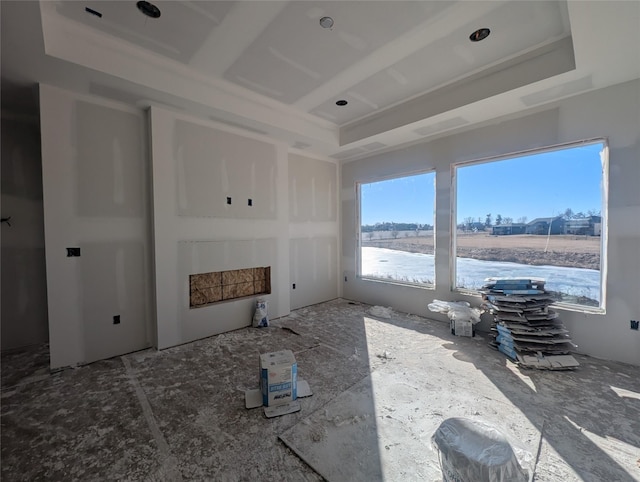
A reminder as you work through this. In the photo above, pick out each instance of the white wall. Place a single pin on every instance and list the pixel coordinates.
(314, 230)
(613, 112)
(146, 221)
(291, 226)
(196, 166)
(95, 174)
(24, 288)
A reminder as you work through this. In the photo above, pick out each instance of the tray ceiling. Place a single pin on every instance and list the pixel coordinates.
(383, 57)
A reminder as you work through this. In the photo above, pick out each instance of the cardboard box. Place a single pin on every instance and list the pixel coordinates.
(461, 328)
(278, 378)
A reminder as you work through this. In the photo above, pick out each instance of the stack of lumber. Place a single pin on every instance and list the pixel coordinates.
(524, 327)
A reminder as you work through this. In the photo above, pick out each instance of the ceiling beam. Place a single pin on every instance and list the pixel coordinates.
(239, 29)
(542, 63)
(453, 16)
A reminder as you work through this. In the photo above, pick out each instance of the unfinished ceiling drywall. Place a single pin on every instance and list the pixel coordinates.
(406, 69)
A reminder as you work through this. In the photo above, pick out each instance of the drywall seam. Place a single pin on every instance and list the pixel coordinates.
(168, 460)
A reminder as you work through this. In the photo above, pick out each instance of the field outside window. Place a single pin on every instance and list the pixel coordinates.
(539, 215)
(396, 229)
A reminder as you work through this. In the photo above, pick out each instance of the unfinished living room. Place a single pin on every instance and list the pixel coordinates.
(300, 240)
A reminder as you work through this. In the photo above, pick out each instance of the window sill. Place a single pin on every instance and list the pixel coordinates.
(430, 287)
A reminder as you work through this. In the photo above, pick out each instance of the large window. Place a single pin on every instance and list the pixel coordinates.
(535, 215)
(396, 229)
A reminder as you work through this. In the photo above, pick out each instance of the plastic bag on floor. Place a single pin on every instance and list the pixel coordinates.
(444, 306)
(261, 316)
(473, 451)
(456, 310)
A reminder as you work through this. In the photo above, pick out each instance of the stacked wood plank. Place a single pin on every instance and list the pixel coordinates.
(525, 328)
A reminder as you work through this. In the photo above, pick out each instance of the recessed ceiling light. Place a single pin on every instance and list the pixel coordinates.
(341, 102)
(326, 22)
(148, 8)
(480, 34)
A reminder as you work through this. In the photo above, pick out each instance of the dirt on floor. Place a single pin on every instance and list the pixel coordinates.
(555, 250)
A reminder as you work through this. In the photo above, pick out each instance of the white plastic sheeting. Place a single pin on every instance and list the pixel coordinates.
(456, 310)
(473, 451)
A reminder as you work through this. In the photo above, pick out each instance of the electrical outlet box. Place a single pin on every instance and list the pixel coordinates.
(635, 324)
(116, 319)
(73, 252)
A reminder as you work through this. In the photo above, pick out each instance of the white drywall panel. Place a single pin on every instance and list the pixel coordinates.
(110, 274)
(23, 284)
(312, 190)
(214, 165)
(613, 112)
(81, 328)
(111, 172)
(209, 256)
(314, 230)
(313, 270)
(174, 230)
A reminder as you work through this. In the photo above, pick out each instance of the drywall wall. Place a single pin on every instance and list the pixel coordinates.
(314, 230)
(95, 174)
(208, 256)
(23, 284)
(199, 167)
(312, 190)
(313, 270)
(223, 175)
(614, 113)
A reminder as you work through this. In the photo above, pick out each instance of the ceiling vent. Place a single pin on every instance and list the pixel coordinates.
(557, 92)
(441, 126)
(93, 12)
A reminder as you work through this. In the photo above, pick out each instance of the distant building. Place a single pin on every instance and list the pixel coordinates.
(541, 226)
(589, 226)
(597, 227)
(474, 227)
(506, 229)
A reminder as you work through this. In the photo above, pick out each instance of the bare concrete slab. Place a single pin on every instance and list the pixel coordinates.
(179, 414)
(381, 428)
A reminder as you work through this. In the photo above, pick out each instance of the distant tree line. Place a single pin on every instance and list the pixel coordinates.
(480, 224)
(369, 228)
(468, 224)
(569, 214)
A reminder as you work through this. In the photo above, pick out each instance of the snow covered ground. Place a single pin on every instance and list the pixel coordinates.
(416, 267)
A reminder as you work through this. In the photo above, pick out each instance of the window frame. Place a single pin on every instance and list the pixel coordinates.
(358, 190)
(604, 199)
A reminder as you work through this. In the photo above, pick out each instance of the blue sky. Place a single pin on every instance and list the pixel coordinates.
(538, 185)
(403, 200)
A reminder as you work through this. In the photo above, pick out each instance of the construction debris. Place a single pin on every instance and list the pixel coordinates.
(462, 317)
(261, 316)
(524, 327)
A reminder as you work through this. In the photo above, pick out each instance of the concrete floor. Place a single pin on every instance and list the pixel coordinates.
(179, 414)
